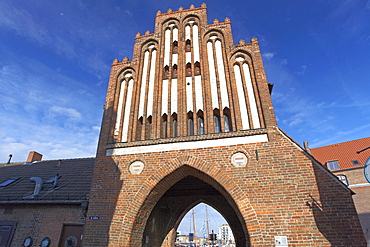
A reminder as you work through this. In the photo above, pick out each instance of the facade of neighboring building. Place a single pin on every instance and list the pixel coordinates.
(225, 234)
(44, 203)
(346, 160)
(190, 119)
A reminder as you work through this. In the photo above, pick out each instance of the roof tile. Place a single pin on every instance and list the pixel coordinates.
(73, 185)
(344, 153)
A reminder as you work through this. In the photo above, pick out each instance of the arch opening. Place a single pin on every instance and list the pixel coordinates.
(166, 205)
(201, 221)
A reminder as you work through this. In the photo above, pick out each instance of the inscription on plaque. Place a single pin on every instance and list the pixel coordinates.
(136, 167)
(239, 159)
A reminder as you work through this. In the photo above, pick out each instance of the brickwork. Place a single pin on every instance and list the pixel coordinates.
(359, 185)
(40, 221)
(282, 190)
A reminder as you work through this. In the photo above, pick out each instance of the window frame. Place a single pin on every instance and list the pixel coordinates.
(343, 179)
(332, 164)
(356, 163)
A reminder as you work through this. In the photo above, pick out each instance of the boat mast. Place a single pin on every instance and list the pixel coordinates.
(194, 228)
(207, 224)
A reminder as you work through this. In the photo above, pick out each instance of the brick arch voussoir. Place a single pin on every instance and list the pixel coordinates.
(226, 185)
(173, 171)
(241, 50)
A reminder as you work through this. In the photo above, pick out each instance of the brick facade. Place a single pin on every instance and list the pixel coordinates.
(351, 173)
(35, 205)
(157, 116)
(40, 221)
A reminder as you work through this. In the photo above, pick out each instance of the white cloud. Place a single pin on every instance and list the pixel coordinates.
(283, 62)
(61, 35)
(302, 70)
(46, 117)
(295, 120)
(268, 55)
(71, 113)
(96, 128)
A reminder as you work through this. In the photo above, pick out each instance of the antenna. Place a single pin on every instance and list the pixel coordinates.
(362, 150)
(10, 158)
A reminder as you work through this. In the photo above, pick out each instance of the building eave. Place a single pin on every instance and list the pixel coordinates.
(314, 161)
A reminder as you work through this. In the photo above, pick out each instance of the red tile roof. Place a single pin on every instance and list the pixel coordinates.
(344, 153)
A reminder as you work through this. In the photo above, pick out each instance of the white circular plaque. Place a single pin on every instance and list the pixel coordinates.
(136, 167)
(239, 159)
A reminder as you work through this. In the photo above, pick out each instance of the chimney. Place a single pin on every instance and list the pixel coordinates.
(34, 156)
(306, 147)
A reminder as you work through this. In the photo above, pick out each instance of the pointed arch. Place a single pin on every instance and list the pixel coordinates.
(160, 213)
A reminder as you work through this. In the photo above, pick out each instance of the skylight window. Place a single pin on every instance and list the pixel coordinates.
(332, 165)
(9, 181)
(356, 162)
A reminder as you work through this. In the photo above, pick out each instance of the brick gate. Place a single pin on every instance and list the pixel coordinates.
(189, 119)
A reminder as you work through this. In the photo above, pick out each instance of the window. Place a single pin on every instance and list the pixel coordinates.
(9, 181)
(148, 131)
(165, 72)
(356, 162)
(200, 125)
(174, 125)
(343, 179)
(332, 165)
(217, 124)
(200, 122)
(197, 68)
(174, 71)
(190, 123)
(7, 230)
(216, 120)
(227, 121)
(164, 126)
(187, 46)
(175, 47)
(188, 69)
(139, 128)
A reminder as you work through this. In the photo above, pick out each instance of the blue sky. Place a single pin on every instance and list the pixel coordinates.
(55, 59)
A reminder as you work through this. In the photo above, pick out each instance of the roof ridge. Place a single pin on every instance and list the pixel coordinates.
(23, 162)
(340, 143)
(68, 159)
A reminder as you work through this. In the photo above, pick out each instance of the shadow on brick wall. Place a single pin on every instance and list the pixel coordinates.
(334, 211)
(100, 226)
